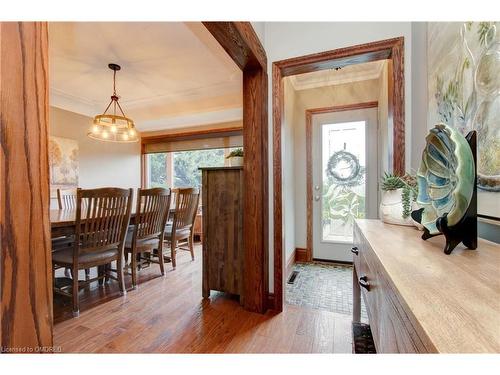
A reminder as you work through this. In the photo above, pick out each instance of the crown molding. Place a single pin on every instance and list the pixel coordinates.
(190, 120)
(73, 103)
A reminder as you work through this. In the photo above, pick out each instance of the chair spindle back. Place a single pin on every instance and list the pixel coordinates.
(186, 206)
(102, 222)
(66, 199)
(153, 206)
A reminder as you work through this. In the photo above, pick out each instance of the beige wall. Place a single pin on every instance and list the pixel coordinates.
(101, 164)
(289, 168)
(357, 92)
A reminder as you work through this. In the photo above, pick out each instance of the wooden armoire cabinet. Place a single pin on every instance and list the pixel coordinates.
(223, 252)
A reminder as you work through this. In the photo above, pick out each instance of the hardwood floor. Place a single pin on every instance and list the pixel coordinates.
(168, 315)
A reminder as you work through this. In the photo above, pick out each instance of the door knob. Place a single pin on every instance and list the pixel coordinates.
(316, 187)
(316, 197)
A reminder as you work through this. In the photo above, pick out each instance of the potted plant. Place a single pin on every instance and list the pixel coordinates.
(235, 158)
(398, 199)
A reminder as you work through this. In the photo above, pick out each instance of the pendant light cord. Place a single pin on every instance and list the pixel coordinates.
(114, 82)
(114, 98)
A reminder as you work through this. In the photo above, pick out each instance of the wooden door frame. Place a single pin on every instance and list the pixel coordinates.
(391, 49)
(242, 44)
(309, 168)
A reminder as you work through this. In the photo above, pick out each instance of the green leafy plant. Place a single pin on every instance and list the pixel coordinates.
(235, 153)
(391, 182)
(408, 196)
(408, 184)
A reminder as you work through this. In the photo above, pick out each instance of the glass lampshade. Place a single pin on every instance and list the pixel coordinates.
(113, 128)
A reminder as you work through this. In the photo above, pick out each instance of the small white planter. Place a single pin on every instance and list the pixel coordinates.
(236, 161)
(391, 208)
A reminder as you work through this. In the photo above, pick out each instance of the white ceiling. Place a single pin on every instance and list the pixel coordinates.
(348, 74)
(174, 74)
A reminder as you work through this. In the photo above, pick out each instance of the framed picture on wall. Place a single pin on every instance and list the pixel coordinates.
(463, 64)
(63, 164)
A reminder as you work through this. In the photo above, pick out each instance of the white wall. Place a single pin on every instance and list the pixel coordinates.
(291, 39)
(419, 92)
(101, 164)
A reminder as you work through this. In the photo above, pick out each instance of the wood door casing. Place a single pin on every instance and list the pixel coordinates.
(25, 257)
(392, 49)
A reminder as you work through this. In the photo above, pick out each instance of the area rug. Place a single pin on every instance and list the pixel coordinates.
(323, 286)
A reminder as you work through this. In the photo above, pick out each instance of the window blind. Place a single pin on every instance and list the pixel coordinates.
(174, 143)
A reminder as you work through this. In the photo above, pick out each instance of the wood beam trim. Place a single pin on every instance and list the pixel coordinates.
(360, 53)
(198, 134)
(397, 98)
(255, 220)
(278, 109)
(25, 257)
(240, 42)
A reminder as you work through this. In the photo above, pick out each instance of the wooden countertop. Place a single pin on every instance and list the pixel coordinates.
(455, 298)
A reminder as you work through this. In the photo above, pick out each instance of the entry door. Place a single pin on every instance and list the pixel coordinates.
(344, 180)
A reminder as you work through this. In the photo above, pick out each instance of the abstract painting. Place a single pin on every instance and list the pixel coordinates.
(463, 64)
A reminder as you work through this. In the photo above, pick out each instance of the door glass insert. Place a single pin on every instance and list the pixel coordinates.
(344, 179)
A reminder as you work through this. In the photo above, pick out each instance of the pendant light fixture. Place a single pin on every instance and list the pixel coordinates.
(113, 127)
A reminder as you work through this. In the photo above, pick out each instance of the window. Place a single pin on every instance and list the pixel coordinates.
(180, 168)
(344, 182)
(157, 170)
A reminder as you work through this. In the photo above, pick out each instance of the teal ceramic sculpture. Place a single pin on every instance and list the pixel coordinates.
(447, 185)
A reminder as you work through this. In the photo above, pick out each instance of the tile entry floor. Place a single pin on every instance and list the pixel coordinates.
(323, 286)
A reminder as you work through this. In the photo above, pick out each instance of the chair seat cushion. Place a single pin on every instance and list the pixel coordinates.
(66, 257)
(141, 244)
(179, 234)
(61, 243)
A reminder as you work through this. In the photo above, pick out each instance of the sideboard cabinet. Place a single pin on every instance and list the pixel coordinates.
(223, 252)
(420, 300)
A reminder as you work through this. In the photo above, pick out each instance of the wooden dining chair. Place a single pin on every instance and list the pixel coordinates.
(100, 230)
(66, 199)
(186, 206)
(153, 206)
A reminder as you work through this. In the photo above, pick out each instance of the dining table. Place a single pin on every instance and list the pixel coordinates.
(63, 221)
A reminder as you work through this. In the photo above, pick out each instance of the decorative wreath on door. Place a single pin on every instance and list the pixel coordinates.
(344, 169)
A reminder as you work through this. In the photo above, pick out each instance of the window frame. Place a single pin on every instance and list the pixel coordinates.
(232, 129)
